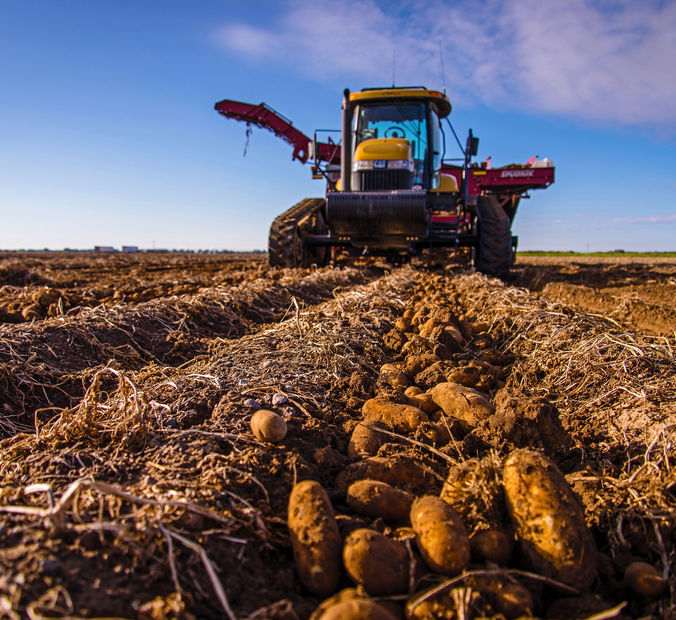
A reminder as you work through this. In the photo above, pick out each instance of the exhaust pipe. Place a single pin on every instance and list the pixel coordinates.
(346, 148)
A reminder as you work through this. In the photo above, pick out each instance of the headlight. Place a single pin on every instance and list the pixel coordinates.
(400, 164)
(362, 164)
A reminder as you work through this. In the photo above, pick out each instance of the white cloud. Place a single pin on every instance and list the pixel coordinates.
(604, 60)
(644, 219)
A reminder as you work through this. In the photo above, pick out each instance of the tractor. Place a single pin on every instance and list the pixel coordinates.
(390, 191)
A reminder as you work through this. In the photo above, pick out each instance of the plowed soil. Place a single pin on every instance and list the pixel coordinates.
(133, 487)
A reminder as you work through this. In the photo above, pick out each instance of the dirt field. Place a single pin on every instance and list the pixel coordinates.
(133, 486)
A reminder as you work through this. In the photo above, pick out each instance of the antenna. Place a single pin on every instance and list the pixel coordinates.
(443, 73)
(394, 56)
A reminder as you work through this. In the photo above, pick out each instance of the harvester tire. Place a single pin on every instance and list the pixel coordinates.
(285, 242)
(494, 251)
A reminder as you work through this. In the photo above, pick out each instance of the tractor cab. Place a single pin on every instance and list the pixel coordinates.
(394, 138)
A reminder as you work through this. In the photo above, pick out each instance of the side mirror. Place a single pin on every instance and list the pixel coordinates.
(472, 144)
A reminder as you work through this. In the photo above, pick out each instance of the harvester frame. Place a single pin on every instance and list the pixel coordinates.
(372, 208)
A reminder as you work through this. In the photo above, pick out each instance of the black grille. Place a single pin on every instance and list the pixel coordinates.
(373, 180)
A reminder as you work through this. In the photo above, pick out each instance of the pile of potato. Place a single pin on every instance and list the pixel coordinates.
(434, 550)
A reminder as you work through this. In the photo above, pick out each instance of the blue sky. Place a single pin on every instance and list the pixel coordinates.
(108, 134)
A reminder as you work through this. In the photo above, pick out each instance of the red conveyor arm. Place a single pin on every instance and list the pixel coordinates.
(265, 117)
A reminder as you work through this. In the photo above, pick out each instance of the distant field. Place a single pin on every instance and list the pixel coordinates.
(609, 254)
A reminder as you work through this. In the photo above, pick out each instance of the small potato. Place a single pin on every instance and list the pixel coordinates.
(396, 417)
(315, 538)
(463, 403)
(644, 579)
(268, 426)
(427, 328)
(364, 442)
(394, 377)
(399, 471)
(548, 519)
(378, 499)
(378, 563)
(491, 545)
(412, 390)
(440, 534)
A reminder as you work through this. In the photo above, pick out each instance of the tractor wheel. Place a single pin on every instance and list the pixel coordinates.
(493, 254)
(285, 242)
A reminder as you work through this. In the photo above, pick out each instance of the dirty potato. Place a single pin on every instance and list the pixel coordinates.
(491, 545)
(315, 538)
(463, 403)
(396, 417)
(378, 563)
(394, 377)
(399, 471)
(643, 579)
(440, 534)
(379, 499)
(365, 441)
(548, 519)
(268, 426)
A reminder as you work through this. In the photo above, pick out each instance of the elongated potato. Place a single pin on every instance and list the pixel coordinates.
(378, 499)
(462, 403)
(548, 519)
(440, 534)
(396, 417)
(378, 563)
(400, 471)
(315, 538)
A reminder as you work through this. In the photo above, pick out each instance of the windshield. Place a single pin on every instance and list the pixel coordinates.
(407, 121)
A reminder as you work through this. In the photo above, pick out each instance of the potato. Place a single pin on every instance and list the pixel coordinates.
(424, 402)
(314, 537)
(417, 363)
(548, 519)
(396, 417)
(464, 375)
(504, 596)
(333, 608)
(365, 441)
(354, 609)
(268, 426)
(378, 499)
(378, 563)
(494, 597)
(427, 328)
(412, 390)
(491, 545)
(644, 579)
(440, 534)
(399, 471)
(463, 403)
(394, 377)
